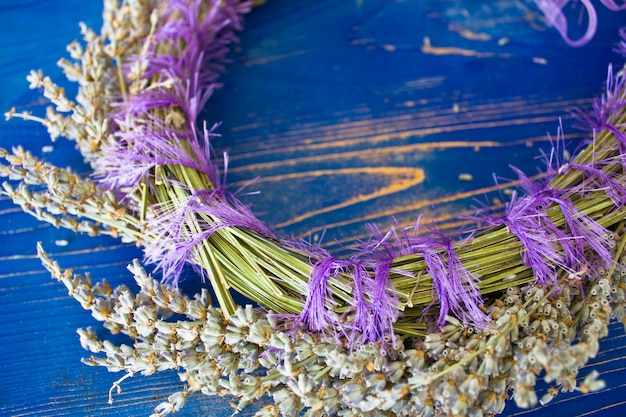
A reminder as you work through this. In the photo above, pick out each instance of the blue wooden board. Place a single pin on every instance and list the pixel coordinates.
(350, 113)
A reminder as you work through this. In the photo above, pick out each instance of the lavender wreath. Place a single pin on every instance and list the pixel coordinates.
(417, 323)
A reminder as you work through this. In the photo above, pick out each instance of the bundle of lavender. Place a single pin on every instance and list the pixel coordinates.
(417, 323)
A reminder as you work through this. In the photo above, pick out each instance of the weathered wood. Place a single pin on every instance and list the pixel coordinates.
(349, 115)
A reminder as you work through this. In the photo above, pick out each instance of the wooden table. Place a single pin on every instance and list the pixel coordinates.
(349, 113)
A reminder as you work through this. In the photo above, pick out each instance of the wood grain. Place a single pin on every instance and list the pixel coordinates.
(348, 117)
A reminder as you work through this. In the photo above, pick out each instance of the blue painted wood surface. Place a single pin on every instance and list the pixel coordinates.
(348, 117)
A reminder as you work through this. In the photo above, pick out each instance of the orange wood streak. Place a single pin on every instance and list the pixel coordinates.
(400, 179)
(427, 48)
(396, 172)
(453, 50)
(414, 206)
(469, 34)
(414, 123)
(377, 152)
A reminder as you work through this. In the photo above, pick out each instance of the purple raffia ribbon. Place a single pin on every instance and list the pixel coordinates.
(553, 12)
